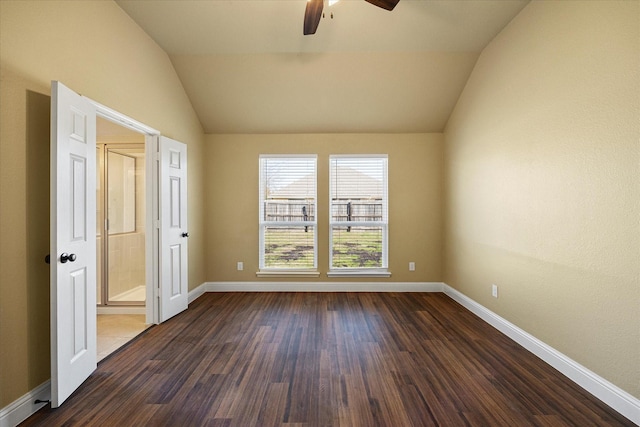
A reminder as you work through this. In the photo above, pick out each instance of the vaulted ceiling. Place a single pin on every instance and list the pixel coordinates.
(247, 67)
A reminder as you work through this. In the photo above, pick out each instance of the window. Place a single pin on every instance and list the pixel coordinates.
(358, 214)
(288, 222)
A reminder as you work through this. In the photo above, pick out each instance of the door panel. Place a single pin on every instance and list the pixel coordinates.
(73, 242)
(79, 298)
(172, 201)
(78, 193)
(176, 269)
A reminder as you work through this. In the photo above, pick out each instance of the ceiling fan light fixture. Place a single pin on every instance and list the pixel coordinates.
(313, 12)
(384, 4)
(312, 15)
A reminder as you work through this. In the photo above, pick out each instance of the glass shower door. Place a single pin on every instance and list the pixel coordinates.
(125, 221)
(121, 229)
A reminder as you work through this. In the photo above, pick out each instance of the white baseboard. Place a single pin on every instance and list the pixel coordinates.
(618, 399)
(196, 293)
(25, 406)
(323, 286)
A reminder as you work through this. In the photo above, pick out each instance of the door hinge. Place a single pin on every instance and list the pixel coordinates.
(156, 223)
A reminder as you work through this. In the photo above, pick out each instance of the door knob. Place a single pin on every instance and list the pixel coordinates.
(47, 259)
(67, 257)
(185, 234)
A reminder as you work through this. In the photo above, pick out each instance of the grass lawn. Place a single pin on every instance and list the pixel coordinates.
(360, 247)
(293, 247)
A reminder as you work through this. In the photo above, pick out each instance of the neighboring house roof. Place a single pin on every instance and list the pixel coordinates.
(299, 189)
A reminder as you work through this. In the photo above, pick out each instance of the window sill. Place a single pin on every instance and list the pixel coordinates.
(284, 273)
(359, 273)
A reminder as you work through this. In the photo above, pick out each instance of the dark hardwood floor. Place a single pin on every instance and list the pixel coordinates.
(326, 359)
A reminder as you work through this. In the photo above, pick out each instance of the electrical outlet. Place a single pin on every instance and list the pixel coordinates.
(240, 266)
(494, 291)
(412, 266)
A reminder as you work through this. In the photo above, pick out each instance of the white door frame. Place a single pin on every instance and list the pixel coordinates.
(151, 178)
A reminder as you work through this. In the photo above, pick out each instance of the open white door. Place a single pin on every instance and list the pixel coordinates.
(73, 241)
(173, 234)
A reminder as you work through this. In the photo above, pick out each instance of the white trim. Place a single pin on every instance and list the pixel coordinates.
(287, 273)
(384, 223)
(288, 156)
(358, 273)
(263, 224)
(121, 119)
(152, 228)
(618, 399)
(358, 156)
(122, 309)
(25, 406)
(150, 152)
(323, 286)
(196, 293)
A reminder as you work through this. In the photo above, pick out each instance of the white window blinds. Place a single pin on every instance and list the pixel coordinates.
(358, 212)
(288, 212)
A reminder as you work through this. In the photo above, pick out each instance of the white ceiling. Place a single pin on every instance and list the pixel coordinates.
(247, 68)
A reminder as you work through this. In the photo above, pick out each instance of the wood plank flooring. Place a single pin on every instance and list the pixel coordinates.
(326, 359)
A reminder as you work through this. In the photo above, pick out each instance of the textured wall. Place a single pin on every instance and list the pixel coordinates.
(542, 182)
(415, 211)
(95, 49)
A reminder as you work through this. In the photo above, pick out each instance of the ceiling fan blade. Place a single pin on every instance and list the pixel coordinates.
(385, 4)
(312, 15)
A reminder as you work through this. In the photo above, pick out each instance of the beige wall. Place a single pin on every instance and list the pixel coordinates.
(541, 179)
(415, 213)
(542, 182)
(97, 50)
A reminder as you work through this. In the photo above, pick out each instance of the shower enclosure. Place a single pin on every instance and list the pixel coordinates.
(120, 224)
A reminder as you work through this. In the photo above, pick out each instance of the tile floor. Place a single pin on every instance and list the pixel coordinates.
(115, 330)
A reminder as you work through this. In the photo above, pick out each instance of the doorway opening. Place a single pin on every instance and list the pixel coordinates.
(120, 235)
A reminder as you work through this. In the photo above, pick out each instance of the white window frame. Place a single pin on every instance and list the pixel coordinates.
(382, 271)
(265, 271)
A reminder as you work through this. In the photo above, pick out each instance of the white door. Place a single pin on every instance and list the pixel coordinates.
(73, 241)
(173, 235)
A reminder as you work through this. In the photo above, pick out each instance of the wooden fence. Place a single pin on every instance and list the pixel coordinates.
(300, 211)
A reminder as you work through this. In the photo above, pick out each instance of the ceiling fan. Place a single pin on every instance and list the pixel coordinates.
(313, 12)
